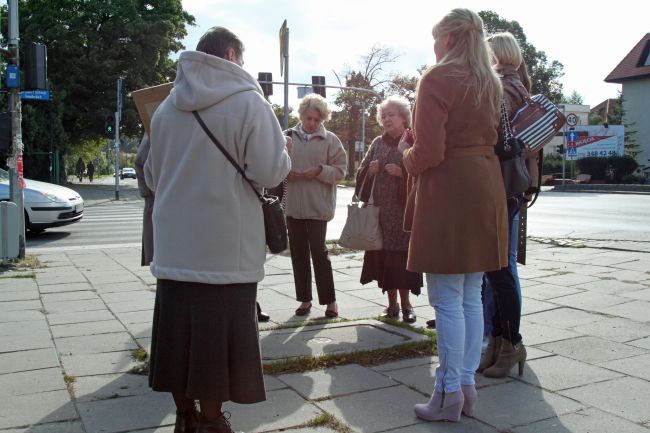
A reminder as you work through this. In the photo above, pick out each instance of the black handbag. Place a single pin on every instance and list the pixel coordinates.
(516, 178)
(275, 225)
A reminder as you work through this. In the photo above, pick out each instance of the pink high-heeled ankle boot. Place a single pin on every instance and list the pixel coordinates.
(441, 407)
(471, 395)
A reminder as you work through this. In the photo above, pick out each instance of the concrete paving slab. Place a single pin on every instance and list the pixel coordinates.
(611, 286)
(282, 409)
(46, 407)
(164, 429)
(131, 306)
(584, 421)
(336, 381)
(626, 275)
(70, 306)
(90, 328)
(21, 295)
(592, 350)
(538, 334)
(98, 363)
(69, 296)
(532, 306)
(26, 360)
(535, 353)
(406, 363)
(557, 372)
(135, 296)
(139, 330)
(31, 304)
(25, 329)
(333, 338)
(615, 329)
(466, 425)
(136, 316)
(569, 279)
(419, 377)
(531, 273)
(58, 427)
(108, 386)
(544, 291)
(643, 342)
(79, 317)
(636, 366)
(496, 405)
(564, 318)
(21, 316)
(635, 310)
(98, 343)
(60, 288)
(31, 382)
(136, 412)
(272, 383)
(376, 411)
(62, 279)
(23, 341)
(309, 430)
(626, 397)
(122, 287)
(357, 313)
(587, 300)
(641, 295)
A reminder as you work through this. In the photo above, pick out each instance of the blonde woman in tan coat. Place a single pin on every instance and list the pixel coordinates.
(456, 208)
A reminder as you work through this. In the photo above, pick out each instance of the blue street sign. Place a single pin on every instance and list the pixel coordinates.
(13, 76)
(572, 136)
(40, 95)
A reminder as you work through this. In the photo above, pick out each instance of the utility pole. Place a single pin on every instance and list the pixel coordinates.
(15, 162)
(284, 54)
(117, 138)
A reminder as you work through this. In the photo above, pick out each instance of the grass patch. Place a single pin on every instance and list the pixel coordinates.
(326, 419)
(30, 262)
(302, 323)
(28, 275)
(364, 357)
(428, 332)
(140, 355)
(141, 369)
(69, 380)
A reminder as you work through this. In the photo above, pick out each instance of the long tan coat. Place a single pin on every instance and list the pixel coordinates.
(456, 209)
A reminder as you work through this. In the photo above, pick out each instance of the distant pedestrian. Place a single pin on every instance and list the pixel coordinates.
(208, 232)
(456, 208)
(90, 170)
(80, 167)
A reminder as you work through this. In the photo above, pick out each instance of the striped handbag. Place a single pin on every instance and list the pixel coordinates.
(537, 121)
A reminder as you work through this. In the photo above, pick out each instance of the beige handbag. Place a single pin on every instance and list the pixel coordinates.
(362, 230)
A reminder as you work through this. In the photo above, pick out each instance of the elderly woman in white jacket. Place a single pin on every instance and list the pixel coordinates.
(318, 163)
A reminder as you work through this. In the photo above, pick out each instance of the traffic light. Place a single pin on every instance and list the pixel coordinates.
(109, 125)
(267, 88)
(318, 83)
(35, 66)
(560, 148)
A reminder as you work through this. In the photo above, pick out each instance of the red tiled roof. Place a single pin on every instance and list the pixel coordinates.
(629, 67)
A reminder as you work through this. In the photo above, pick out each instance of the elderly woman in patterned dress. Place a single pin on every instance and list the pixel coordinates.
(383, 166)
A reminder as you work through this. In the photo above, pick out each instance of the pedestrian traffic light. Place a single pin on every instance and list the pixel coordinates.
(267, 87)
(109, 125)
(560, 148)
(318, 84)
(35, 66)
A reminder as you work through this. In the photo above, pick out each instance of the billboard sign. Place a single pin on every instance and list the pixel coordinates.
(597, 141)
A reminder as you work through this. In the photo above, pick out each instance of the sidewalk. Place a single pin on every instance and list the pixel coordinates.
(68, 333)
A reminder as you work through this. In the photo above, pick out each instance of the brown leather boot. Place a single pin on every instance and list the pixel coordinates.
(509, 355)
(187, 420)
(491, 353)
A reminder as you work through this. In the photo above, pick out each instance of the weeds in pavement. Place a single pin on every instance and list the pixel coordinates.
(141, 357)
(28, 275)
(326, 419)
(363, 357)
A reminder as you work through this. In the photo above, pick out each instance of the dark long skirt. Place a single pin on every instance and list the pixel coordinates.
(388, 268)
(205, 342)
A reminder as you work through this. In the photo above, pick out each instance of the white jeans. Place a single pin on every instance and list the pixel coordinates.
(459, 325)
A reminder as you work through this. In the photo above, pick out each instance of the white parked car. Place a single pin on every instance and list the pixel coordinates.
(46, 204)
(127, 172)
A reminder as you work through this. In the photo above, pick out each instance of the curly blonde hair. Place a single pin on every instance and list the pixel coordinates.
(314, 101)
(399, 102)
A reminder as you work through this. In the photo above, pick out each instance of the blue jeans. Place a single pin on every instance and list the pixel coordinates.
(459, 325)
(489, 309)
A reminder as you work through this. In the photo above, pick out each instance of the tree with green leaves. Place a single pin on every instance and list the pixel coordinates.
(575, 98)
(545, 77)
(90, 45)
(616, 116)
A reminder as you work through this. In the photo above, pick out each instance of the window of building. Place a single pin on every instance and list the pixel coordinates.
(645, 55)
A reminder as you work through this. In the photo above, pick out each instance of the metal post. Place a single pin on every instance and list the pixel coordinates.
(15, 162)
(565, 149)
(363, 125)
(285, 120)
(117, 138)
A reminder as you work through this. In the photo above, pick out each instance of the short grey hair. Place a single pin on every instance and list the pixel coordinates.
(399, 102)
(314, 101)
(218, 40)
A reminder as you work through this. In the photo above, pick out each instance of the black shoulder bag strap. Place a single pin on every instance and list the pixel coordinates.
(227, 155)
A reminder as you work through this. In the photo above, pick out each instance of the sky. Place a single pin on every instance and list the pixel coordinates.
(589, 37)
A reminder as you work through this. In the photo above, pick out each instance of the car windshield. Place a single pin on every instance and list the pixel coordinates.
(4, 175)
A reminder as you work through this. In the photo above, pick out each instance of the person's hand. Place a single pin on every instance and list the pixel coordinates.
(403, 144)
(393, 170)
(373, 167)
(312, 172)
(293, 175)
(289, 144)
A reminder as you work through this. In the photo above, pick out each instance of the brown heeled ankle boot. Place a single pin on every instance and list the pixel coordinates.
(491, 352)
(509, 355)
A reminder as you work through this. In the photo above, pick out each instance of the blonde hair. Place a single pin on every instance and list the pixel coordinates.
(469, 56)
(314, 101)
(399, 102)
(505, 49)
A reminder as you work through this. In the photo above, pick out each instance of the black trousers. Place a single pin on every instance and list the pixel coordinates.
(307, 237)
(507, 315)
